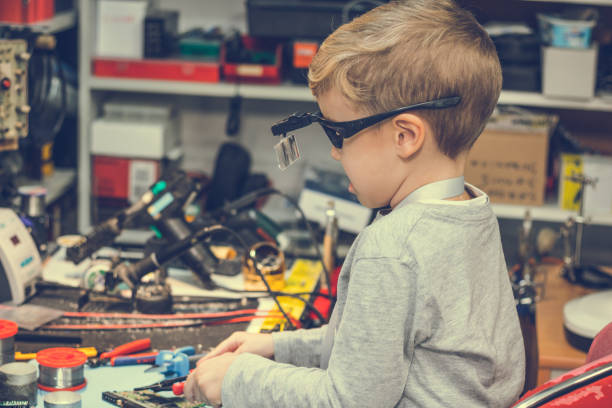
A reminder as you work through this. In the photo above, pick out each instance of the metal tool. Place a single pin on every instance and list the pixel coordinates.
(133, 359)
(122, 350)
(20, 263)
(175, 385)
(173, 362)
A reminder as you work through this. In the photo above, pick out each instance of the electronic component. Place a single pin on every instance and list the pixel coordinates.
(14, 108)
(146, 399)
(20, 265)
(160, 32)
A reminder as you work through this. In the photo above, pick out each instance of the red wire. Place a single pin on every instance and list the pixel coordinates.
(160, 316)
(117, 326)
(156, 325)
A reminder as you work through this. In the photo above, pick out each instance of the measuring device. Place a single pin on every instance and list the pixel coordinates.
(20, 265)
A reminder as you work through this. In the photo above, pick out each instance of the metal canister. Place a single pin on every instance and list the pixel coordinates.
(8, 330)
(61, 368)
(32, 200)
(264, 259)
(18, 383)
(63, 399)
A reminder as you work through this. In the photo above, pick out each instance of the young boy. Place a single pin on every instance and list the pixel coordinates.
(425, 315)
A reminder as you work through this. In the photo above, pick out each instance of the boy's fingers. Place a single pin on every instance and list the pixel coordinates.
(230, 344)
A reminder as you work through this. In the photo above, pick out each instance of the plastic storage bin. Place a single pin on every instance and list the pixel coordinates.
(559, 32)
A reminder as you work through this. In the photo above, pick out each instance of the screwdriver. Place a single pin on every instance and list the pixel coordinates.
(89, 352)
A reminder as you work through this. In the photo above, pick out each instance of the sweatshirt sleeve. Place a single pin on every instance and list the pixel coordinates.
(371, 355)
(301, 347)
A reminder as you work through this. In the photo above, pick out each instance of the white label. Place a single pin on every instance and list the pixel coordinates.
(250, 70)
(142, 175)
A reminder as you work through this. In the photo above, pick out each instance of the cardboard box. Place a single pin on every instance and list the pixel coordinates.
(509, 159)
(598, 198)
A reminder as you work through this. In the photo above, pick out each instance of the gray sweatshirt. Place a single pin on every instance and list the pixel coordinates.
(424, 317)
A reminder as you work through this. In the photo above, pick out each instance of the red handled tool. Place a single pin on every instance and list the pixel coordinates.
(122, 350)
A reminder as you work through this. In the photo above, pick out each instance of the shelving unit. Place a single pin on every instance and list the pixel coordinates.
(583, 2)
(90, 84)
(62, 21)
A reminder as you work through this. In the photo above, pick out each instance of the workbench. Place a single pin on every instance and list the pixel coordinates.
(556, 355)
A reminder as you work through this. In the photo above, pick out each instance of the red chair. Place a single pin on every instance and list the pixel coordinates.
(588, 386)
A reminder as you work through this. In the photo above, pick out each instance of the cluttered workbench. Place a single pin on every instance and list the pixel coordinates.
(98, 318)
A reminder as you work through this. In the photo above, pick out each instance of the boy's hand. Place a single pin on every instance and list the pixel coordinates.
(204, 382)
(261, 344)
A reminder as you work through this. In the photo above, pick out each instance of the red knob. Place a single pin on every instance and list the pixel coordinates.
(5, 83)
(177, 388)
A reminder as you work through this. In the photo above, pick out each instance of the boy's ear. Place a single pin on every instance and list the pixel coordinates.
(409, 134)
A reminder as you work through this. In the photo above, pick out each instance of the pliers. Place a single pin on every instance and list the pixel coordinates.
(122, 350)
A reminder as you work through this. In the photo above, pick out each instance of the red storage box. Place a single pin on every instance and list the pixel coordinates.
(256, 73)
(26, 11)
(123, 178)
(174, 70)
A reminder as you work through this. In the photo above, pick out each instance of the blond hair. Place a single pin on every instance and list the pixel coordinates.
(413, 51)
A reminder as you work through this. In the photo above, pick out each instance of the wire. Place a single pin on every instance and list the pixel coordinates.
(259, 273)
(254, 195)
(299, 295)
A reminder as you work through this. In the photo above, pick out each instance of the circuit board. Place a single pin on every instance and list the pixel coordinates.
(14, 107)
(147, 399)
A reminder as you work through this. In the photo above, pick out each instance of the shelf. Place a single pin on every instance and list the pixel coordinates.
(62, 21)
(547, 212)
(56, 185)
(221, 89)
(538, 100)
(289, 92)
(582, 2)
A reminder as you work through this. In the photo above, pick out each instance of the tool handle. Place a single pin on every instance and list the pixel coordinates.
(188, 350)
(127, 348)
(133, 360)
(89, 352)
(193, 360)
(178, 388)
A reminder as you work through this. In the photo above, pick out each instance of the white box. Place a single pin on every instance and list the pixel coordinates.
(322, 186)
(151, 139)
(598, 198)
(569, 72)
(119, 28)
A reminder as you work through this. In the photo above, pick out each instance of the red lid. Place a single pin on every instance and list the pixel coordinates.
(8, 329)
(61, 357)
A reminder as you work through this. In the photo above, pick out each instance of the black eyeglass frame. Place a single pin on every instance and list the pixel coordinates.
(338, 131)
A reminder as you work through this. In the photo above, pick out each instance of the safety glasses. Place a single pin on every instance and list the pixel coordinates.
(338, 131)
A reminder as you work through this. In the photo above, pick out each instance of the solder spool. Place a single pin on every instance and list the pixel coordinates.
(63, 399)
(61, 368)
(8, 330)
(18, 383)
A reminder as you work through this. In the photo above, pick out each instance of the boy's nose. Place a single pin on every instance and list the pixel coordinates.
(335, 153)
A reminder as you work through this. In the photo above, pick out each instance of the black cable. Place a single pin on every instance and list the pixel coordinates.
(260, 274)
(298, 295)
(248, 199)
